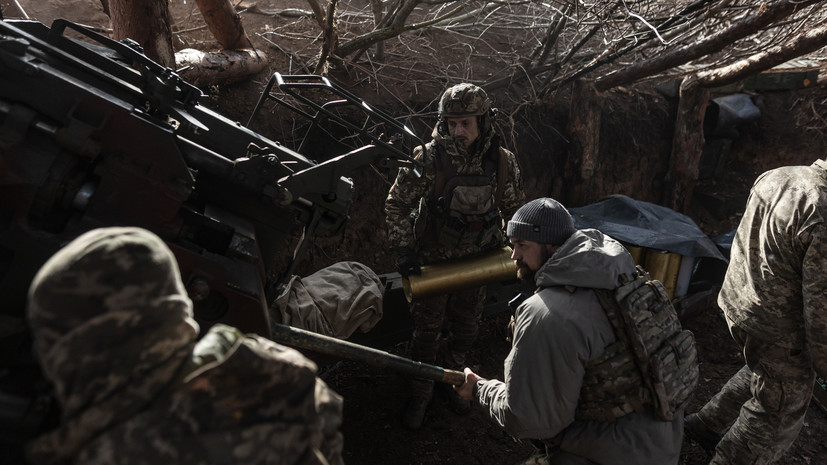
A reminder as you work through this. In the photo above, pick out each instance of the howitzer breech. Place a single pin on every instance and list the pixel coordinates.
(327, 345)
(466, 273)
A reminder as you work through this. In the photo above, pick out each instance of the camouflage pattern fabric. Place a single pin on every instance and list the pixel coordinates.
(462, 311)
(114, 333)
(652, 366)
(774, 390)
(403, 202)
(773, 297)
(403, 207)
(464, 99)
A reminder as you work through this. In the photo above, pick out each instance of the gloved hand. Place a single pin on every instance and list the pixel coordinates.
(407, 262)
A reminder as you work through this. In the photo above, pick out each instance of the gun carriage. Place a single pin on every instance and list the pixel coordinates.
(93, 133)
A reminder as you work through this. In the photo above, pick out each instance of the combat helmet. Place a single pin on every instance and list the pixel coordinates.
(464, 100)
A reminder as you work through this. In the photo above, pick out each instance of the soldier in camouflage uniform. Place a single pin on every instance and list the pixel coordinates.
(468, 184)
(113, 330)
(561, 334)
(774, 297)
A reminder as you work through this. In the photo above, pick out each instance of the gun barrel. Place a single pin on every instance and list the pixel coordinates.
(303, 339)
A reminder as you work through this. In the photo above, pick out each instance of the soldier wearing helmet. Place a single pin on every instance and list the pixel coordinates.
(464, 113)
(454, 209)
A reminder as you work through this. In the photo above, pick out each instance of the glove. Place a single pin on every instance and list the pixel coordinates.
(406, 262)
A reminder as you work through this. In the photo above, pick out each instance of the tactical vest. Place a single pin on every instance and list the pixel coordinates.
(462, 210)
(653, 364)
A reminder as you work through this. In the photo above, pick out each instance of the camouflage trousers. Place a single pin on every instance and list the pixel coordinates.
(764, 403)
(445, 328)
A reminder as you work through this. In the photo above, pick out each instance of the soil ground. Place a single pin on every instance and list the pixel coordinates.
(373, 398)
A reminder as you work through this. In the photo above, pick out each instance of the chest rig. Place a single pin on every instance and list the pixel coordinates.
(462, 208)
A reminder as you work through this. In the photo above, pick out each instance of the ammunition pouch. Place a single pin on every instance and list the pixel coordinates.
(456, 230)
(465, 216)
(612, 386)
(652, 366)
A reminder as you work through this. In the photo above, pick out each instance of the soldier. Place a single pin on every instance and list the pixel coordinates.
(773, 298)
(564, 361)
(114, 333)
(469, 183)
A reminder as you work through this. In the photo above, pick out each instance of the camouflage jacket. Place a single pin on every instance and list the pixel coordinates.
(776, 283)
(113, 331)
(557, 332)
(408, 191)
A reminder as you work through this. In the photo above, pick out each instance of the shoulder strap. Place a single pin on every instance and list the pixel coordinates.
(611, 306)
(495, 157)
(444, 171)
(502, 176)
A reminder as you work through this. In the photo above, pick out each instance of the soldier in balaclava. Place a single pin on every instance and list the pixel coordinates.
(468, 184)
(114, 333)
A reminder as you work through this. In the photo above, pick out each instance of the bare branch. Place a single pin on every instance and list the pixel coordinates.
(330, 38)
(653, 28)
(609, 55)
(318, 12)
(765, 16)
(19, 12)
(810, 41)
(394, 30)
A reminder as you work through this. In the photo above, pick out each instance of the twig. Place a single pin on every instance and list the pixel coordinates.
(329, 42)
(292, 55)
(20, 9)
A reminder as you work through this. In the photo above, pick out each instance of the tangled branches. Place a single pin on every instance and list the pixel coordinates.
(567, 39)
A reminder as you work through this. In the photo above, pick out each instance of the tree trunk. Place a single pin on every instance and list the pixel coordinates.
(148, 23)
(584, 128)
(225, 66)
(687, 145)
(378, 8)
(224, 23)
(237, 59)
(318, 12)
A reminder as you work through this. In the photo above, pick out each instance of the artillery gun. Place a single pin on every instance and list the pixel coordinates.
(93, 133)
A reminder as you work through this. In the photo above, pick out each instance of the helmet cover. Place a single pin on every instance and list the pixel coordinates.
(464, 100)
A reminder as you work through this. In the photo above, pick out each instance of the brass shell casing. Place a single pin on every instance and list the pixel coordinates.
(664, 267)
(457, 274)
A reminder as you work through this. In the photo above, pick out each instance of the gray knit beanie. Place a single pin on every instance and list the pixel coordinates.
(542, 220)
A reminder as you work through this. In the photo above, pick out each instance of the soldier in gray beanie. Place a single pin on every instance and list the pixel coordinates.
(558, 332)
(543, 220)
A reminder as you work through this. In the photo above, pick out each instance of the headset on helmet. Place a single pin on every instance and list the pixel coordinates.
(466, 100)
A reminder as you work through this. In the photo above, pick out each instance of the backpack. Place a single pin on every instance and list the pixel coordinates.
(652, 366)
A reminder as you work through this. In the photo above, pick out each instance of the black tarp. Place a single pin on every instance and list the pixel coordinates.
(648, 225)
